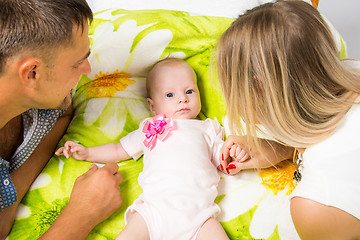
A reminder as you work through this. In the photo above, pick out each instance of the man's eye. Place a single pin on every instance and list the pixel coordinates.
(189, 91)
(169, 95)
(76, 66)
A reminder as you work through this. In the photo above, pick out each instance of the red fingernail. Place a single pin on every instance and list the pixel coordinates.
(227, 170)
(222, 168)
(222, 157)
(232, 166)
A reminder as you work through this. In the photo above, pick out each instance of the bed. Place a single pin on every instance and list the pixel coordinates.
(110, 102)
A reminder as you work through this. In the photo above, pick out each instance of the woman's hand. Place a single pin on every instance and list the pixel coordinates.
(232, 154)
(237, 154)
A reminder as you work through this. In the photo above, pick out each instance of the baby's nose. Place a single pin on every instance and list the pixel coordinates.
(183, 99)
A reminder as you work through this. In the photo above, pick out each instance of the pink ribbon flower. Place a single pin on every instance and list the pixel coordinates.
(159, 129)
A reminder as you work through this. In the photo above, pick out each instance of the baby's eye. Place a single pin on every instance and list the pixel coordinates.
(189, 91)
(169, 95)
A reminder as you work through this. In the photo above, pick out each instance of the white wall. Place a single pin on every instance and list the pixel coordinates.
(345, 16)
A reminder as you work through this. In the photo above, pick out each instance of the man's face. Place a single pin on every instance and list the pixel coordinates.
(68, 64)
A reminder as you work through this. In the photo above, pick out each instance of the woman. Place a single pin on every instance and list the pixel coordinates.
(281, 74)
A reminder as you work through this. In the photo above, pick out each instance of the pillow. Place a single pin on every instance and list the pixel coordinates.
(110, 102)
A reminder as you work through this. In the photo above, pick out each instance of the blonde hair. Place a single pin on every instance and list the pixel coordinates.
(279, 67)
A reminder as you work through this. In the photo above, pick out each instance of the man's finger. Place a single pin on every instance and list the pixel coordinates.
(111, 167)
(92, 169)
(119, 177)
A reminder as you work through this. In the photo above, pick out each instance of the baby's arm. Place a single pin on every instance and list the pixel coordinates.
(111, 152)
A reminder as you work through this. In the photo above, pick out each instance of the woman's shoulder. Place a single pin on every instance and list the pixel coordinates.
(344, 138)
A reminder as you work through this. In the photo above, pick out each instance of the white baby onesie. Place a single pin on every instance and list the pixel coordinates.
(179, 179)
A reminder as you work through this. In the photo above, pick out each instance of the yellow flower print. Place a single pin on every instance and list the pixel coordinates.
(278, 178)
(267, 193)
(106, 85)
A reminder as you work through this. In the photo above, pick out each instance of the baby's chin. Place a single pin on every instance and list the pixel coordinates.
(182, 115)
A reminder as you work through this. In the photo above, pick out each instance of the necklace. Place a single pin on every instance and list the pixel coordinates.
(298, 160)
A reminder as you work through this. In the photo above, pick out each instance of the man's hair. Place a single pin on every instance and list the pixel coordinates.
(38, 26)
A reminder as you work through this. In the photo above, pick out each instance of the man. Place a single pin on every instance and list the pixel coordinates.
(44, 47)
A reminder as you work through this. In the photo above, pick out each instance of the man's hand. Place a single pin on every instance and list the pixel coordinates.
(97, 192)
(95, 196)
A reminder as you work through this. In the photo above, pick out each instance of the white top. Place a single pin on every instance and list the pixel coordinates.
(331, 168)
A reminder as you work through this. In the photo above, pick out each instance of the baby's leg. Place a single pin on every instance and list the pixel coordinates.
(135, 228)
(212, 229)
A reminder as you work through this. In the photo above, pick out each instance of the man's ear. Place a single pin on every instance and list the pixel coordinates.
(150, 102)
(29, 72)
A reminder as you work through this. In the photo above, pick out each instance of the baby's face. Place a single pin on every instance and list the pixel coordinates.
(175, 92)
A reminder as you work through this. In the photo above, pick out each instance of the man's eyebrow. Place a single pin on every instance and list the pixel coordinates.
(86, 56)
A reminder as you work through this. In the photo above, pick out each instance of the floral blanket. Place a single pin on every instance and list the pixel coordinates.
(110, 102)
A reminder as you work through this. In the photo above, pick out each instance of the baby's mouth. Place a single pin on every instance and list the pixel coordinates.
(183, 110)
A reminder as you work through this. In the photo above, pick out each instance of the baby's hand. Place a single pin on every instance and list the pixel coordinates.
(74, 150)
(238, 154)
(232, 156)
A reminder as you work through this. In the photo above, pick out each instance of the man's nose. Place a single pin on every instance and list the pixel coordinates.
(85, 68)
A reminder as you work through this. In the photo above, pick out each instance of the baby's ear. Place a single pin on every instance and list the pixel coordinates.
(150, 102)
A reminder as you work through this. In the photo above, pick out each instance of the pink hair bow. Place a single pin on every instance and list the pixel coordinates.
(159, 129)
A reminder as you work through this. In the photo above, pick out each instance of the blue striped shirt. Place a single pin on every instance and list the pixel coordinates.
(37, 124)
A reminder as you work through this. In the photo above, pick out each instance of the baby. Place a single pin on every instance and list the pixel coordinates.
(181, 155)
